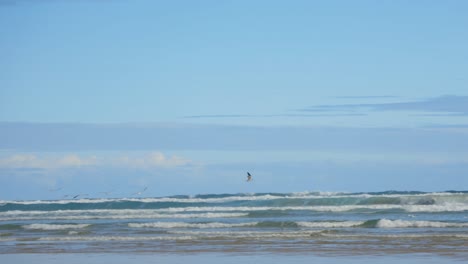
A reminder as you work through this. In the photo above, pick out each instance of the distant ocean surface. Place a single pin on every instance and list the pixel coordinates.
(318, 222)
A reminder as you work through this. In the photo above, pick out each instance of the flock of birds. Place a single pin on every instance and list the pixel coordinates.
(75, 196)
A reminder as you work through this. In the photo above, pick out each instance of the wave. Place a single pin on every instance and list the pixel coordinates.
(262, 224)
(219, 211)
(334, 208)
(188, 235)
(283, 225)
(114, 238)
(343, 224)
(386, 223)
(189, 225)
(150, 200)
(448, 207)
(108, 214)
(55, 226)
(379, 223)
(222, 212)
(252, 235)
(9, 227)
(412, 197)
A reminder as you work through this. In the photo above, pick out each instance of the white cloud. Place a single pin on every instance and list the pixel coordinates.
(153, 159)
(18, 161)
(150, 160)
(76, 161)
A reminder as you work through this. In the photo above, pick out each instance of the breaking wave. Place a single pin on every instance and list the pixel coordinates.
(302, 221)
(268, 199)
(386, 223)
(55, 227)
(189, 225)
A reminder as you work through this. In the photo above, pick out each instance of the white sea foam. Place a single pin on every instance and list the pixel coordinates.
(188, 235)
(386, 223)
(341, 208)
(213, 211)
(446, 207)
(333, 208)
(210, 200)
(107, 214)
(189, 225)
(367, 236)
(91, 211)
(178, 234)
(152, 200)
(196, 235)
(301, 195)
(114, 238)
(296, 221)
(83, 201)
(330, 224)
(55, 227)
(248, 234)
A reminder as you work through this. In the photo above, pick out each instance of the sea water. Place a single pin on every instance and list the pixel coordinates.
(321, 223)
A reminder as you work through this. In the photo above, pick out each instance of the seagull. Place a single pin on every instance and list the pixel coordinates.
(140, 192)
(249, 177)
(78, 195)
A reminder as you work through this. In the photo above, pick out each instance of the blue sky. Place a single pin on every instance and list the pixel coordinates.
(107, 97)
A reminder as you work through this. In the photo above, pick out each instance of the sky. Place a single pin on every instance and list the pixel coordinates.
(120, 98)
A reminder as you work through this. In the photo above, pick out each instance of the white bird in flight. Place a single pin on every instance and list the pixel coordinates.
(249, 177)
(140, 192)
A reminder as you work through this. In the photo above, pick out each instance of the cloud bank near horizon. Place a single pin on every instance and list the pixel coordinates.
(453, 104)
(450, 105)
(66, 137)
(47, 161)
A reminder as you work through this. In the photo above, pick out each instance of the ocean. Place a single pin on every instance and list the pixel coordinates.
(319, 223)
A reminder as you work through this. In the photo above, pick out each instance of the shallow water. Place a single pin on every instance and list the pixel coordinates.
(330, 224)
(210, 258)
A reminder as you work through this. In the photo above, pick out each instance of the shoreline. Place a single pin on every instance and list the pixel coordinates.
(227, 257)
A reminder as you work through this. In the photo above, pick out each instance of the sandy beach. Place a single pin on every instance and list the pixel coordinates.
(208, 258)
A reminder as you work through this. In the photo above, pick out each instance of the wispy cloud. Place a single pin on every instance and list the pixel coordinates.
(80, 138)
(367, 97)
(219, 116)
(20, 161)
(42, 161)
(447, 105)
(442, 104)
(154, 159)
(274, 115)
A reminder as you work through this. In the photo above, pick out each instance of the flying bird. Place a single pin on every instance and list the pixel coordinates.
(78, 195)
(142, 191)
(249, 177)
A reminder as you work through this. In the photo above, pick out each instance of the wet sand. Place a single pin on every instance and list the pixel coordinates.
(211, 258)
